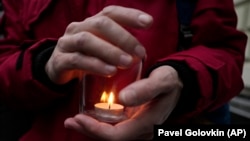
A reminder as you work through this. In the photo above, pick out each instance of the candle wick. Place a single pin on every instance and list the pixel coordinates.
(109, 106)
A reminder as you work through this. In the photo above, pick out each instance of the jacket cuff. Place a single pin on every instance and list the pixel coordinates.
(39, 73)
(190, 91)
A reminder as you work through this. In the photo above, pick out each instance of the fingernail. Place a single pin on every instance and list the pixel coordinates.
(140, 51)
(145, 20)
(125, 60)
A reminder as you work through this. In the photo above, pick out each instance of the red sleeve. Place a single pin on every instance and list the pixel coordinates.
(18, 87)
(216, 56)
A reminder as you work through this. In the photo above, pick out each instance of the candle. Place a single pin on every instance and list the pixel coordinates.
(107, 110)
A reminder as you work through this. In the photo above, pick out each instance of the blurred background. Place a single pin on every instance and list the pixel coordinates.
(240, 105)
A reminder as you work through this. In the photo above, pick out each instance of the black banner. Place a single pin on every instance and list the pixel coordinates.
(223, 132)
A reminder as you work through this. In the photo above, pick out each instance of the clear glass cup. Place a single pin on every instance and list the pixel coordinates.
(100, 94)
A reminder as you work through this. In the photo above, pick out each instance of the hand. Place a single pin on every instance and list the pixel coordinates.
(157, 96)
(98, 45)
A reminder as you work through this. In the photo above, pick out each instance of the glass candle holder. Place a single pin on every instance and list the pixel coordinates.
(100, 94)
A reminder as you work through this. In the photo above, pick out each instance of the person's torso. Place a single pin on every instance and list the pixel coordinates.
(49, 19)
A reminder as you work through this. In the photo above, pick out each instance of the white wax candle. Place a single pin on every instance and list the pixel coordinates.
(105, 109)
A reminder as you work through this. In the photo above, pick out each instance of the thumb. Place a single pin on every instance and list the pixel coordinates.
(161, 80)
(139, 92)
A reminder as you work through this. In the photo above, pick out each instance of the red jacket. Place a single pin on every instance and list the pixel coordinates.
(30, 26)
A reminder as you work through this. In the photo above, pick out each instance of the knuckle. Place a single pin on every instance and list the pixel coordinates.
(82, 38)
(62, 42)
(71, 28)
(109, 10)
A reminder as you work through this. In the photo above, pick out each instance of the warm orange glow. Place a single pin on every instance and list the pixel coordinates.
(111, 98)
(108, 105)
(104, 97)
(108, 98)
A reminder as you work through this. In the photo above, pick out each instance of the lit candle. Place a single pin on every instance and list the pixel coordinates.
(107, 108)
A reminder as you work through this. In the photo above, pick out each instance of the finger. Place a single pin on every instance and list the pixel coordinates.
(126, 130)
(161, 80)
(128, 16)
(139, 92)
(123, 16)
(75, 124)
(72, 124)
(88, 64)
(94, 128)
(107, 29)
(87, 43)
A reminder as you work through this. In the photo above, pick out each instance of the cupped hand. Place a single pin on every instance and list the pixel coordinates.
(154, 97)
(99, 44)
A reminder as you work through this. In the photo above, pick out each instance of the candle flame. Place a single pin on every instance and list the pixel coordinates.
(108, 98)
(111, 98)
(104, 97)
